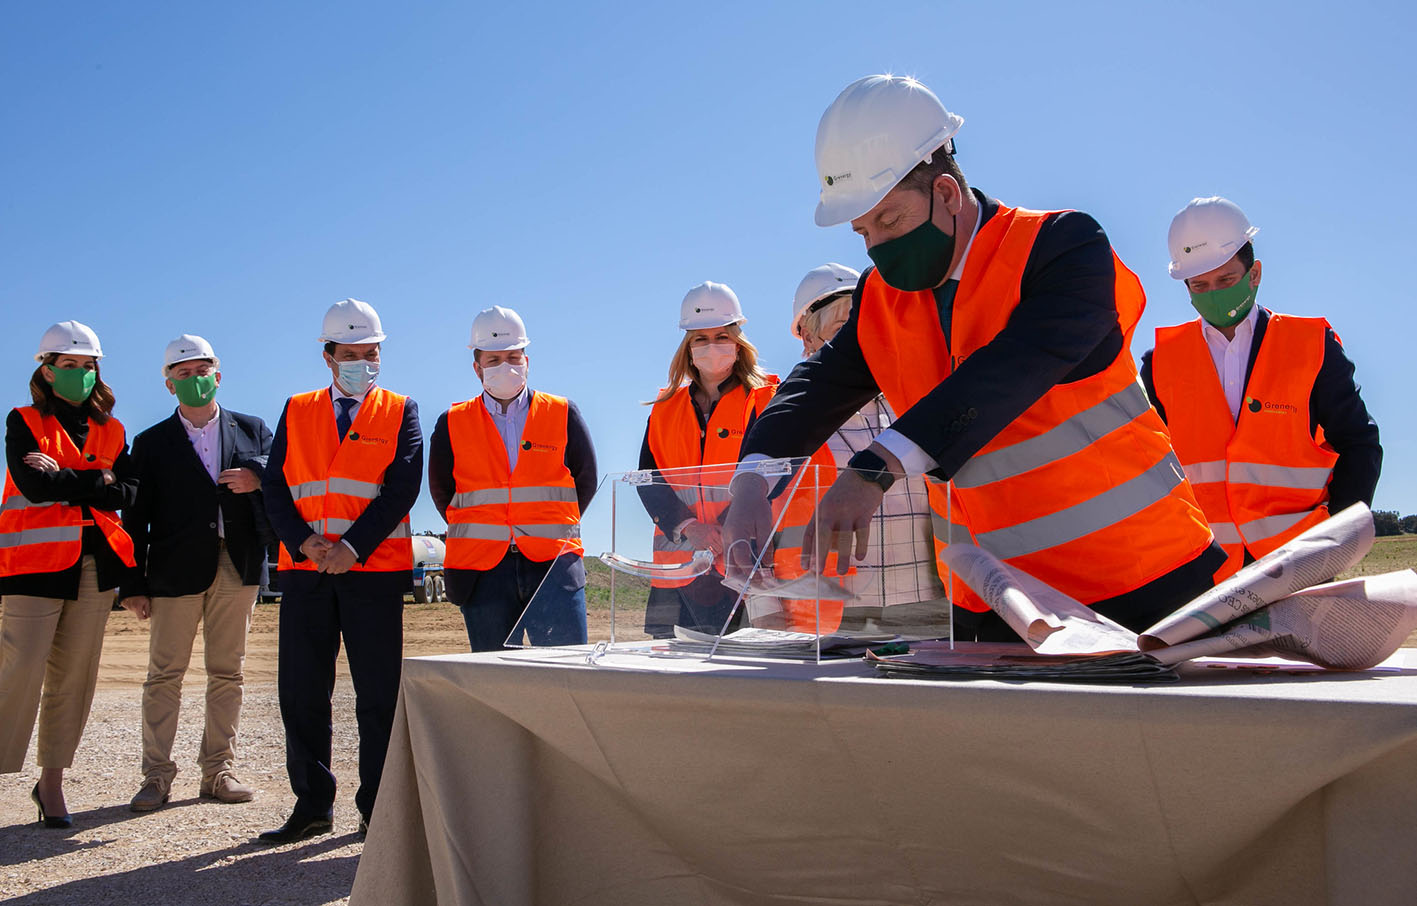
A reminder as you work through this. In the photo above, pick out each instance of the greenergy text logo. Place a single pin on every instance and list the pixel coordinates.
(1256, 405)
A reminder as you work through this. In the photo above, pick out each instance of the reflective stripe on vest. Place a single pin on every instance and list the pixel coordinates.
(1064, 491)
(1118, 502)
(484, 496)
(38, 538)
(678, 443)
(1072, 436)
(333, 481)
(1261, 476)
(534, 504)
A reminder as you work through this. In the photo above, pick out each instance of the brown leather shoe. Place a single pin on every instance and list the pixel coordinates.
(224, 787)
(151, 797)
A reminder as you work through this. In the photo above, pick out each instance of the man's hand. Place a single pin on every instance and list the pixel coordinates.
(747, 527)
(704, 536)
(844, 516)
(315, 548)
(339, 559)
(240, 481)
(140, 606)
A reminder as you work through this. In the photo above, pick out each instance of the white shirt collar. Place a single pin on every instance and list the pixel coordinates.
(1244, 330)
(518, 403)
(978, 216)
(336, 391)
(193, 429)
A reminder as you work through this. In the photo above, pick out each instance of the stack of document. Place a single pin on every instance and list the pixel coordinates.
(982, 660)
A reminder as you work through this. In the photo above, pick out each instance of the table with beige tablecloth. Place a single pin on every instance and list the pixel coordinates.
(532, 777)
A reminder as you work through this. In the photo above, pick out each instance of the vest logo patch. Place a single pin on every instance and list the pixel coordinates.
(726, 433)
(540, 448)
(1256, 405)
(367, 439)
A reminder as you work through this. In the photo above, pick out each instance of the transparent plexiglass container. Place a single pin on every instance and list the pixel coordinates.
(674, 583)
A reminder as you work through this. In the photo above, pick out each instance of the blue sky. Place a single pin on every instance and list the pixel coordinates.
(231, 170)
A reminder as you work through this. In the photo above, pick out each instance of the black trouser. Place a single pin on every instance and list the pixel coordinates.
(1138, 610)
(316, 610)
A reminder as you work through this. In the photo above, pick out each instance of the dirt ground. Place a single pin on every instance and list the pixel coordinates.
(193, 851)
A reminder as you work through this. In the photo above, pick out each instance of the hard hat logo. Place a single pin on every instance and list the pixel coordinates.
(833, 180)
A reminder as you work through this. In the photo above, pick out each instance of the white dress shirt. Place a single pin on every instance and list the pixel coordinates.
(206, 440)
(1231, 357)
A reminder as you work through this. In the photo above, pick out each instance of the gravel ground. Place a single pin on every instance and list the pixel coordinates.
(191, 851)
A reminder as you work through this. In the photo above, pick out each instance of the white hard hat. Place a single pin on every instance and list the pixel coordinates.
(352, 321)
(1205, 234)
(710, 305)
(185, 348)
(69, 338)
(820, 282)
(496, 329)
(871, 136)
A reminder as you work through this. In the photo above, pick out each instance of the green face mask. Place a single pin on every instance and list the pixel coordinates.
(1226, 307)
(73, 384)
(195, 391)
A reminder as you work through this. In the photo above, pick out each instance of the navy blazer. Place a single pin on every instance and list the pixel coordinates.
(402, 482)
(173, 522)
(1336, 404)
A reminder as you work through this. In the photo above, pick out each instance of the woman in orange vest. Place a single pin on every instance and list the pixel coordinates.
(715, 392)
(62, 551)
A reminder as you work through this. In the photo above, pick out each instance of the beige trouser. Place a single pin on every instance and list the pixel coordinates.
(224, 611)
(50, 646)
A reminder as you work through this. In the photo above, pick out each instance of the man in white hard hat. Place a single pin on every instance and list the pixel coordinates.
(1263, 410)
(512, 470)
(345, 469)
(1000, 337)
(200, 534)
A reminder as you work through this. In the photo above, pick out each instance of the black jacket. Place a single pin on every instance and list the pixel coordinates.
(174, 520)
(1336, 405)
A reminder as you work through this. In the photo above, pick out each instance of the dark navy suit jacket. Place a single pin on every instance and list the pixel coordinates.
(173, 522)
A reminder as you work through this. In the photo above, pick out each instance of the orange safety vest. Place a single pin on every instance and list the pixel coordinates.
(804, 615)
(493, 505)
(1082, 490)
(332, 482)
(1262, 478)
(48, 537)
(678, 444)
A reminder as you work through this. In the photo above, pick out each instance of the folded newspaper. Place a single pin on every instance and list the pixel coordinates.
(1280, 605)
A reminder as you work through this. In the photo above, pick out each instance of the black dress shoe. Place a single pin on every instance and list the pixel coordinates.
(298, 827)
(58, 822)
(363, 825)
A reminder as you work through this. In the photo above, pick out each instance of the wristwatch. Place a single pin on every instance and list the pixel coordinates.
(872, 468)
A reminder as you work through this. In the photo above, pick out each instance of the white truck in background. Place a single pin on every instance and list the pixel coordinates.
(428, 552)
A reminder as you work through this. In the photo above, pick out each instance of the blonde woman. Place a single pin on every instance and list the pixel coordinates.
(714, 393)
(897, 585)
(62, 551)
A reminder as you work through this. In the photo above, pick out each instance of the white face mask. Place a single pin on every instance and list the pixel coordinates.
(357, 377)
(504, 381)
(714, 360)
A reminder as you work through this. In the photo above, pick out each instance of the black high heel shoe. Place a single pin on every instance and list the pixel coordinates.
(54, 821)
